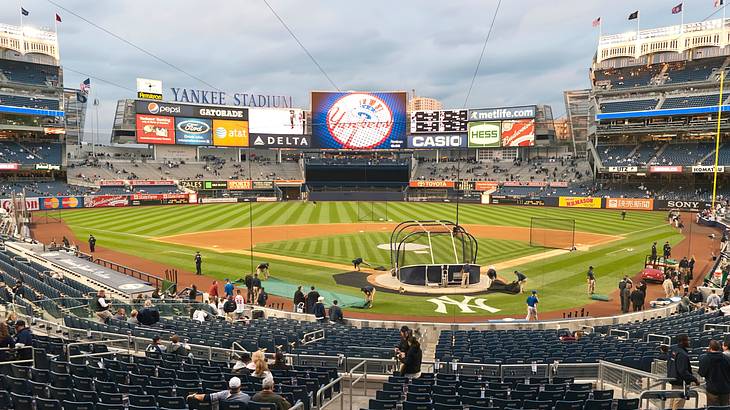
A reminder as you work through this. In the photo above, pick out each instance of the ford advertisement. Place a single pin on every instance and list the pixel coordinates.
(193, 131)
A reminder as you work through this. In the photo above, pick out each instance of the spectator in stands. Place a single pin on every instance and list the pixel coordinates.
(726, 292)
(149, 315)
(405, 334)
(23, 338)
(696, 296)
(243, 365)
(256, 285)
(260, 365)
(411, 360)
(198, 263)
(311, 300)
(726, 346)
(229, 308)
(66, 243)
(248, 281)
(299, 300)
(637, 299)
(679, 369)
(120, 315)
(228, 288)
(10, 319)
(92, 243)
(102, 307)
(193, 293)
(626, 298)
(5, 342)
(200, 315)
(319, 311)
(263, 297)
(133, 317)
(232, 395)
(279, 362)
(532, 302)
(714, 301)
(156, 293)
(57, 275)
(213, 291)
(18, 289)
(155, 346)
(668, 287)
(591, 281)
(240, 304)
(715, 368)
(177, 348)
(267, 395)
(336, 313)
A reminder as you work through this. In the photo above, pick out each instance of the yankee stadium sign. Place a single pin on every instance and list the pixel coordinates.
(195, 96)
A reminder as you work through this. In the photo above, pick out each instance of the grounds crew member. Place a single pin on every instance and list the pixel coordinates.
(198, 263)
(521, 280)
(653, 253)
(369, 292)
(356, 263)
(591, 281)
(92, 243)
(532, 302)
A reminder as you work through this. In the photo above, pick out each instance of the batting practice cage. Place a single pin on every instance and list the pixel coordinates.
(553, 233)
(433, 253)
(372, 211)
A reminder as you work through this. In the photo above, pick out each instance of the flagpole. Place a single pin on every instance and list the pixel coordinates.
(681, 24)
(20, 3)
(717, 140)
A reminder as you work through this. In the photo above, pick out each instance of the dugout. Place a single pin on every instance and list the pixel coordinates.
(425, 253)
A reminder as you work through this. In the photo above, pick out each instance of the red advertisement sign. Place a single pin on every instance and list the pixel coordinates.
(485, 185)
(101, 201)
(32, 204)
(634, 204)
(8, 167)
(518, 133)
(669, 169)
(155, 129)
(431, 184)
(157, 197)
(135, 182)
(114, 182)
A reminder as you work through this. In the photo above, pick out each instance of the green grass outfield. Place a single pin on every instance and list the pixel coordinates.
(560, 280)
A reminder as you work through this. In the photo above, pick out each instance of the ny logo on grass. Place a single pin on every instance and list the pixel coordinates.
(467, 305)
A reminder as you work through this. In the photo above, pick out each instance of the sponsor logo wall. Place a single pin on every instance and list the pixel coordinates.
(155, 129)
(439, 121)
(229, 133)
(579, 202)
(634, 204)
(62, 202)
(193, 131)
(276, 121)
(485, 185)
(32, 204)
(239, 185)
(484, 134)
(437, 141)
(694, 206)
(8, 167)
(280, 141)
(358, 120)
(103, 201)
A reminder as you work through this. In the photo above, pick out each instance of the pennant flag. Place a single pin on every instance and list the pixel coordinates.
(597, 22)
(634, 15)
(58, 18)
(677, 9)
(719, 3)
(24, 11)
(85, 86)
(81, 97)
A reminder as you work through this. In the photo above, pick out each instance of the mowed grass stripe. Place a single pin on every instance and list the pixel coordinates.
(202, 221)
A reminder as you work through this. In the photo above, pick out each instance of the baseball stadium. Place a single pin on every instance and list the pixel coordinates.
(368, 249)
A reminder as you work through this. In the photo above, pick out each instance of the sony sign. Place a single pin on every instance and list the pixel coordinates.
(437, 141)
(195, 96)
(692, 206)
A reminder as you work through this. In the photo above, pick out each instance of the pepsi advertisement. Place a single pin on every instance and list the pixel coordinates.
(358, 120)
(193, 131)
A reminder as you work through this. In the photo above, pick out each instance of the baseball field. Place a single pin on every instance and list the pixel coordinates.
(313, 244)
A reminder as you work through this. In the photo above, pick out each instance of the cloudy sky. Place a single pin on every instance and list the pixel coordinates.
(537, 49)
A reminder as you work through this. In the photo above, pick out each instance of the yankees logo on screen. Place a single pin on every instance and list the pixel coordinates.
(358, 120)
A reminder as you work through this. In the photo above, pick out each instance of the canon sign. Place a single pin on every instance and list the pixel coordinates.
(437, 141)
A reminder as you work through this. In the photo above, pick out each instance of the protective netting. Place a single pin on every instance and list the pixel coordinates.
(552, 233)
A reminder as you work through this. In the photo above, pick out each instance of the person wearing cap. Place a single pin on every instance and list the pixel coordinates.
(232, 395)
(267, 395)
(243, 365)
(532, 302)
(198, 263)
(319, 311)
(228, 288)
(23, 338)
(155, 346)
(521, 279)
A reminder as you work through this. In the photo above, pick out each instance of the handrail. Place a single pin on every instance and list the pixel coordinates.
(320, 394)
(298, 405)
(623, 332)
(312, 334)
(13, 349)
(68, 346)
(663, 337)
(363, 376)
(710, 326)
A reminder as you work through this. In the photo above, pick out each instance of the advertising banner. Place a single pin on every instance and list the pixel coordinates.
(484, 134)
(215, 185)
(705, 169)
(431, 184)
(289, 182)
(154, 129)
(9, 167)
(485, 185)
(239, 185)
(62, 202)
(148, 182)
(218, 200)
(359, 120)
(47, 167)
(669, 169)
(280, 141)
(184, 110)
(102, 201)
(691, 206)
(32, 204)
(579, 202)
(194, 185)
(505, 200)
(623, 169)
(149, 89)
(632, 204)
(112, 182)
(288, 121)
(193, 131)
(263, 185)
(437, 141)
(518, 133)
(227, 133)
(525, 183)
(506, 113)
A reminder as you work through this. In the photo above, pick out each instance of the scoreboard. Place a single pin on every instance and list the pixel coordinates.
(439, 121)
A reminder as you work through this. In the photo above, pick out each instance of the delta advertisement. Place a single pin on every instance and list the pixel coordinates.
(579, 202)
(155, 129)
(358, 120)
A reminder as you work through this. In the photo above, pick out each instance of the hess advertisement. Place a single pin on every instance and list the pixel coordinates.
(229, 133)
(483, 134)
(359, 120)
(193, 131)
(155, 129)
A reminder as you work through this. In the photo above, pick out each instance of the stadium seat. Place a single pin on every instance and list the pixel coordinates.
(627, 404)
(77, 405)
(602, 394)
(409, 405)
(252, 405)
(569, 405)
(47, 404)
(171, 402)
(376, 404)
(598, 405)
